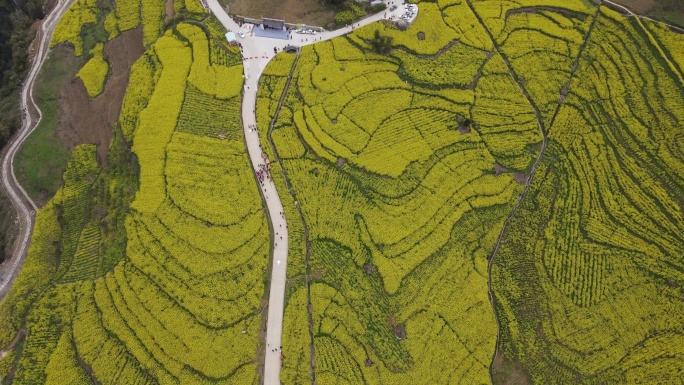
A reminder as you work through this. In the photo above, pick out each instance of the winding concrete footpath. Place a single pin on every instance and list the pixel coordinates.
(26, 208)
(257, 52)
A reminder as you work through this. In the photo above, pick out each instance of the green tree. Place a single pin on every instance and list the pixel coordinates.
(381, 44)
(16, 18)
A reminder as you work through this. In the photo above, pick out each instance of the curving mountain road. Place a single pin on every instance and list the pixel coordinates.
(24, 205)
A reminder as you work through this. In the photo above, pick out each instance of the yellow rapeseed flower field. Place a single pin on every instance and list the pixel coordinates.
(94, 72)
(175, 277)
(498, 197)
(384, 178)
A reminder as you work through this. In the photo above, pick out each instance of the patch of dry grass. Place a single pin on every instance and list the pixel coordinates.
(310, 12)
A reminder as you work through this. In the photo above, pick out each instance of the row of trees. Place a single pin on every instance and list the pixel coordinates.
(16, 17)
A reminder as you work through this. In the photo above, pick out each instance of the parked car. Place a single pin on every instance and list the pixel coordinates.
(241, 34)
(392, 8)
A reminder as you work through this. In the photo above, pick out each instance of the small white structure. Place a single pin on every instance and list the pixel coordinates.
(230, 36)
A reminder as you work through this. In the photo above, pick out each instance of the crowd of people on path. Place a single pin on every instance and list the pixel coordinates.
(264, 172)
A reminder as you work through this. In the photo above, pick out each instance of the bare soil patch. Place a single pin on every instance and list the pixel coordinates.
(316, 274)
(521, 178)
(637, 6)
(341, 162)
(35, 43)
(508, 372)
(84, 120)
(170, 12)
(499, 169)
(310, 12)
(400, 331)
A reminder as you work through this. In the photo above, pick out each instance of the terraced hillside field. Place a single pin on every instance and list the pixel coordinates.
(589, 272)
(498, 199)
(150, 268)
(402, 201)
(400, 223)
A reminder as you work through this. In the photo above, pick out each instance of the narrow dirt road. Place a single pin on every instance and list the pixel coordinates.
(631, 13)
(26, 208)
(257, 52)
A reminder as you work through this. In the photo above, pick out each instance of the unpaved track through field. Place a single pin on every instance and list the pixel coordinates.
(257, 52)
(26, 208)
(631, 13)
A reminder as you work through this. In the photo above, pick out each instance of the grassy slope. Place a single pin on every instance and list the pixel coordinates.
(40, 163)
(311, 12)
(671, 11)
